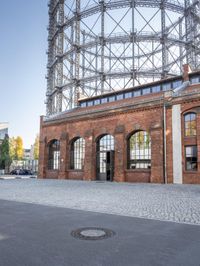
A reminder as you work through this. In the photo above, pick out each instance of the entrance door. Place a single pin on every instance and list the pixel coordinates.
(105, 158)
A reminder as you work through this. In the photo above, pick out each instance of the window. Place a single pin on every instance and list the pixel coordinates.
(139, 151)
(104, 100)
(54, 155)
(128, 95)
(146, 91)
(137, 93)
(77, 154)
(191, 158)
(194, 80)
(166, 86)
(156, 89)
(97, 101)
(120, 97)
(111, 99)
(176, 84)
(83, 104)
(90, 103)
(190, 124)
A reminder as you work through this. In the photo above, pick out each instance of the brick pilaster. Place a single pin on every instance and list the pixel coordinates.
(119, 173)
(90, 158)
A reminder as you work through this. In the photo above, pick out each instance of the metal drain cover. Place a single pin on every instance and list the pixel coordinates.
(92, 233)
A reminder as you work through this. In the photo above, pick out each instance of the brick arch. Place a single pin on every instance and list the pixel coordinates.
(129, 134)
(191, 110)
(71, 140)
(51, 140)
(97, 138)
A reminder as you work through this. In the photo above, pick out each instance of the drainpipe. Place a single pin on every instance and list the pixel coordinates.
(164, 142)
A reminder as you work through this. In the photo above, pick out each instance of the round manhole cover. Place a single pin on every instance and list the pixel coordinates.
(92, 233)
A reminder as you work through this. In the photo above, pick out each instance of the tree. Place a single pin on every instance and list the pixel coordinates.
(36, 148)
(19, 148)
(12, 148)
(5, 159)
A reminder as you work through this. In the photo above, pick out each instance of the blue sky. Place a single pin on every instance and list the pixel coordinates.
(23, 60)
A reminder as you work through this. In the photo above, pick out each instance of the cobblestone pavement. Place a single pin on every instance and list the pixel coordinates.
(176, 203)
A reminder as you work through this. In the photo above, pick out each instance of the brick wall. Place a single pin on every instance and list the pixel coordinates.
(120, 119)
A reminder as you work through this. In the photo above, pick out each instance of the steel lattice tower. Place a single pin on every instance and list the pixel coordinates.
(99, 46)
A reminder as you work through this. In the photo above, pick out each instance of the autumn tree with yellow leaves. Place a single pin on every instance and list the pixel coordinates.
(36, 148)
(19, 149)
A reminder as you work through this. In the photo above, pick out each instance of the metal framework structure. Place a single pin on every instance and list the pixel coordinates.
(96, 47)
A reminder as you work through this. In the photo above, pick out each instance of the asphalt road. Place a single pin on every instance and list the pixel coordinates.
(36, 235)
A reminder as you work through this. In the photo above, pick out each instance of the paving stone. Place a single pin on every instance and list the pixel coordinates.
(176, 203)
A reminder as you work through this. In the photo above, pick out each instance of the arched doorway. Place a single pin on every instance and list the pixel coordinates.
(105, 158)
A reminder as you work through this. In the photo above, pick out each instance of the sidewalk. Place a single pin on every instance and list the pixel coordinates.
(12, 177)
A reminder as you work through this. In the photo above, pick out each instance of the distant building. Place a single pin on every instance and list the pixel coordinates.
(27, 154)
(32, 152)
(3, 130)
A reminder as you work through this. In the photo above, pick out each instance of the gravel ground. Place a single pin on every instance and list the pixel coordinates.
(176, 203)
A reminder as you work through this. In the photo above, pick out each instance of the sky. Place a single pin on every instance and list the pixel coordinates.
(23, 59)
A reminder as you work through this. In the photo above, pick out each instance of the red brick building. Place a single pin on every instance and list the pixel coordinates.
(149, 133)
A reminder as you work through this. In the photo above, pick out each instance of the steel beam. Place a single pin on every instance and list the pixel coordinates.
(87, 55)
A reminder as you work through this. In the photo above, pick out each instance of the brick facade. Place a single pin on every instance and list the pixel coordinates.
(121, 119)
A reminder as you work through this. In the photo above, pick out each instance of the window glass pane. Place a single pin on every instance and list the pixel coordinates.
(156, 89)
(146, 91)
(78, 154)
(190, 124)
(191, 158)
(177, 83)
(137, 93)
(90, 103)
(194, 80)
(111, 99)
(54, 155)
(128, 95)
(139, 150)
(106, 143)
(104, 100)
(120, 96)
(83, 104)
(97, 101)
(166, 86)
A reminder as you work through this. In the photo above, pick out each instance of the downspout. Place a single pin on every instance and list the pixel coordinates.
(164, 143)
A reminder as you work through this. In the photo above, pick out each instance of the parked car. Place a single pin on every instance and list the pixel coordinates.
(21, 172)
(27, 172)
(14, 172)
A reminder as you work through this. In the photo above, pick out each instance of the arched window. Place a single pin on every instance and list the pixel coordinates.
(54, 155)
(190, 124)
(139, 151)
(106, 143)
(77, 154)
